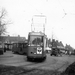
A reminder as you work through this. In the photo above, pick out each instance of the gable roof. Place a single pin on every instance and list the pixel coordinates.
(12, 38)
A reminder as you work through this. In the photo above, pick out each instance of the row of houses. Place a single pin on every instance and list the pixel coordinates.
(11, 39)
(58, 44)
(7, 41)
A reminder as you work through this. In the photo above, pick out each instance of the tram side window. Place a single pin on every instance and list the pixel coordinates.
(15, 45)
(20, 45)
(25, 45)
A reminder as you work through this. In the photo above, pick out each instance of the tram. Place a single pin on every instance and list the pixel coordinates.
(36, 45)
(20, 47)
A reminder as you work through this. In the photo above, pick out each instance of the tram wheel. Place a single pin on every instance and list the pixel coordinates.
(44, 58)
(28, 59)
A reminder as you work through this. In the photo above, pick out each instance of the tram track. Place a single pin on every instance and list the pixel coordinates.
(39, 69)
(39, 66)
(58, 69)
(51, 61)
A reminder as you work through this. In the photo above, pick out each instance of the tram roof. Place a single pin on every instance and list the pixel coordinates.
(36, 33)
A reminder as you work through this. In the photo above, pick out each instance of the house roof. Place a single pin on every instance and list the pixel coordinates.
(12, 38)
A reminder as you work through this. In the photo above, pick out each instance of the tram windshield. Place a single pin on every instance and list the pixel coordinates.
(36, 40)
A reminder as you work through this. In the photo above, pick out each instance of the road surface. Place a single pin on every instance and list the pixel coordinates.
(51, 63)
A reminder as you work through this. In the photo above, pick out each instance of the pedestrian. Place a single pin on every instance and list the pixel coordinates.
(69, 53)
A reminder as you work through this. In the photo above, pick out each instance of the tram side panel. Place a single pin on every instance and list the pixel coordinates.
(20, 48)
(25, 48)
(15, 48)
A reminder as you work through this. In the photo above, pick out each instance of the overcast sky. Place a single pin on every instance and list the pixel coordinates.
(60, 15)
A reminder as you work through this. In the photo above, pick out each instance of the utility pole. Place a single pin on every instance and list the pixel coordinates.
(52, 36)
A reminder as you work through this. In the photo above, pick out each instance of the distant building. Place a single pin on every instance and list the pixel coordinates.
(69, 49)
(12, 39)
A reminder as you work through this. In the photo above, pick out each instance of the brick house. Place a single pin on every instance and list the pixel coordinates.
(11, 39)
(8, 40)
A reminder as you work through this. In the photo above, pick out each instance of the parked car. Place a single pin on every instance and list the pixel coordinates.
(56, 52)
(48, 50)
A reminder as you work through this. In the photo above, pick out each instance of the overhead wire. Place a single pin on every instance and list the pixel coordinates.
(34, 7)
(62, 9)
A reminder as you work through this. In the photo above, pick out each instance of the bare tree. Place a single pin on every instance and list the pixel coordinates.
(3, 21)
